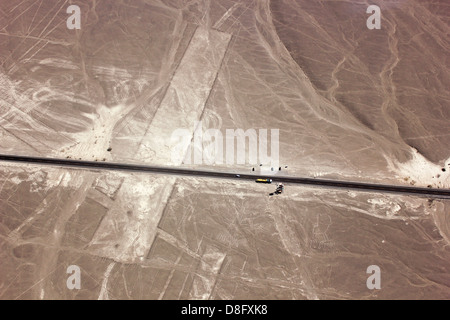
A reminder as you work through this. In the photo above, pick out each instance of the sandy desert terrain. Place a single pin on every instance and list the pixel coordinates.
(350, 103)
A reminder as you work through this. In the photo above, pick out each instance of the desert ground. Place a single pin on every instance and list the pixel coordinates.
(350, 103)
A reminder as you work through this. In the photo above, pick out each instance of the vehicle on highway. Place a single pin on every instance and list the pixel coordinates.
(263, 180)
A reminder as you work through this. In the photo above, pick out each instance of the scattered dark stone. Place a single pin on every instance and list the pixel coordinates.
(116, 245)
(253, 169)
(109, 149)
(271, 169)
(443, 169)
(279, 168)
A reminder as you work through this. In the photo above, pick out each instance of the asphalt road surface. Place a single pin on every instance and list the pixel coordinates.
(406, 190)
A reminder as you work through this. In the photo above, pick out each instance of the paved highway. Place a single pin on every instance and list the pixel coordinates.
(370, 187)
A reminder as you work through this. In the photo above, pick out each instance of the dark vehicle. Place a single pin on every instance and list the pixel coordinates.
(280, 189)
